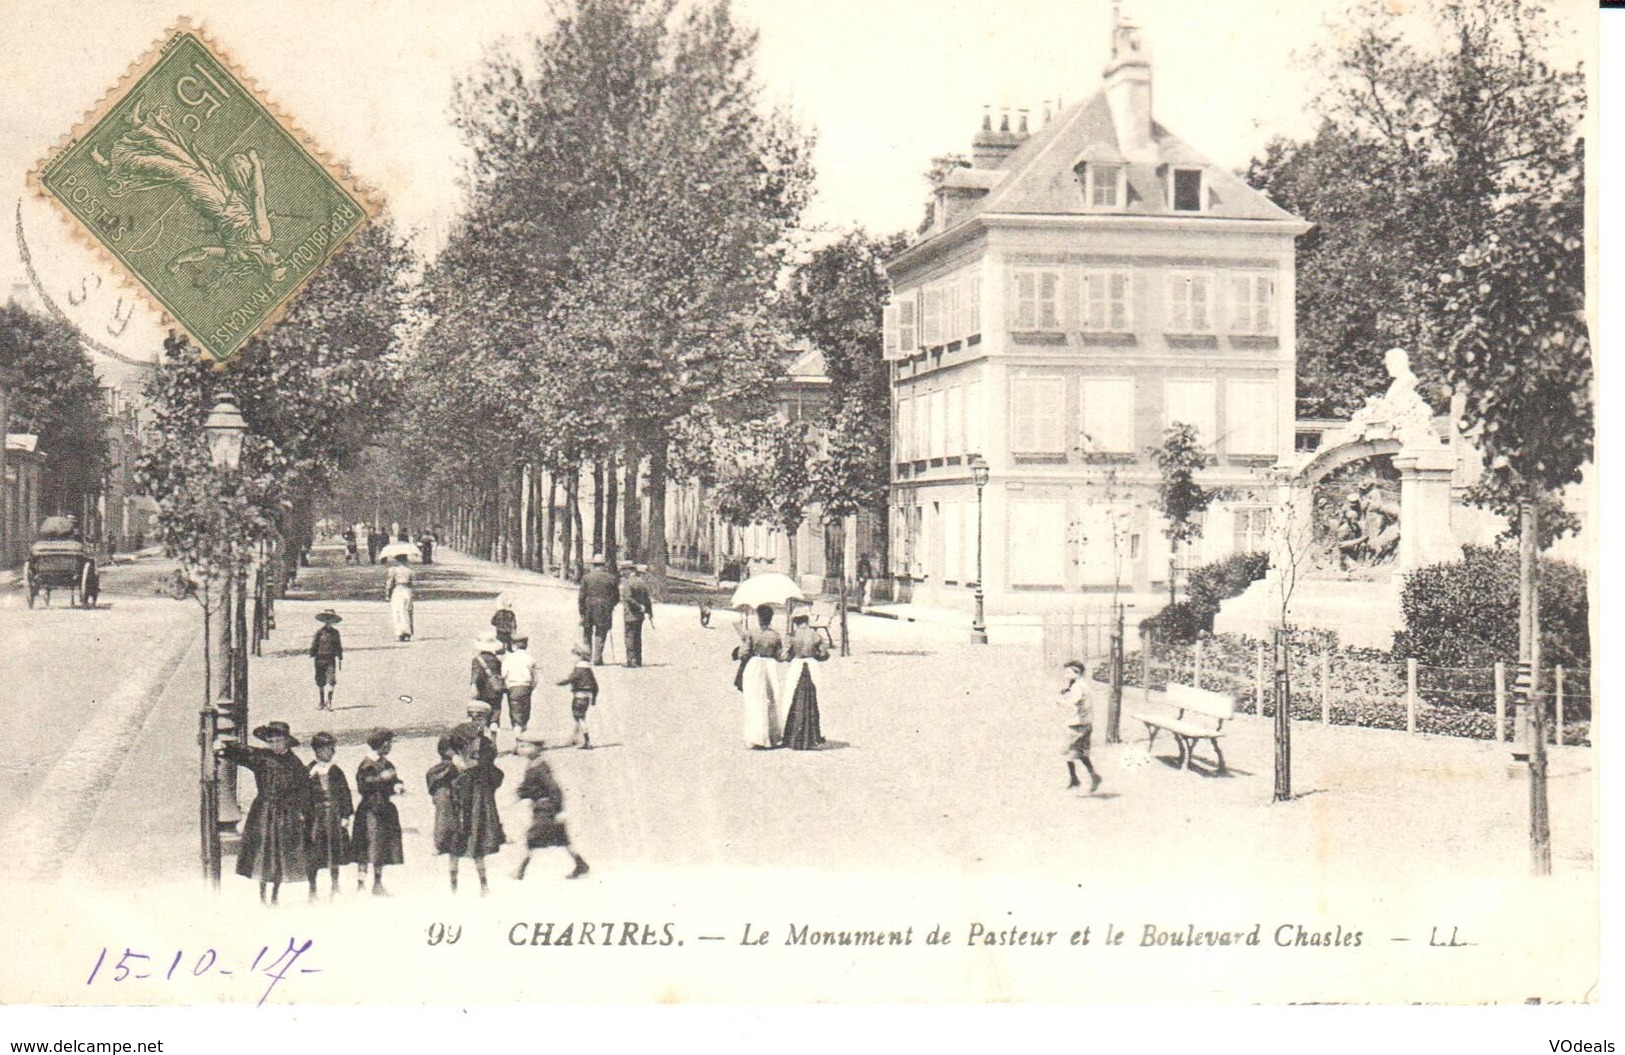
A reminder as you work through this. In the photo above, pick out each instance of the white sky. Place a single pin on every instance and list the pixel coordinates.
(887, 84)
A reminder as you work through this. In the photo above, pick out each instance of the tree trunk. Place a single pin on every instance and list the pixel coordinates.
(1283, 720)
(550, 520)
(790, 538)
(1540, 825)
(580, 528)
(631, 510)
(1173, 577)
(845, 641)
(568, 528)
(597, 507)
(654, 548)
(611, 496)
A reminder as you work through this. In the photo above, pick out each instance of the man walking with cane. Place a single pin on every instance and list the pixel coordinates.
(636, 607)
(596, 601)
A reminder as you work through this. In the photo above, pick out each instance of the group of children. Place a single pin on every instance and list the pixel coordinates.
(304, 818)
(504, 671)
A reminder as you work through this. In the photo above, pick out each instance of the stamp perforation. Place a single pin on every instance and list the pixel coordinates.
(338, 171)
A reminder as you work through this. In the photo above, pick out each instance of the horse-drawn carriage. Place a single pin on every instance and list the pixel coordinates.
(61, 559)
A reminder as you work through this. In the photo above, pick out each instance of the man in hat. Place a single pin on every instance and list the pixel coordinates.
(327, 651)
(596, 600)
(636, 606)
(485, 674)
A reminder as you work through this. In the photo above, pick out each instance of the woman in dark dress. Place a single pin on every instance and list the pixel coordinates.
(802, 649)
(331, 809)
(479, 825)
(376, 840)
(276, 833)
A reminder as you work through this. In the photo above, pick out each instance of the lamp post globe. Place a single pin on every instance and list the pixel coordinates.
(979, 475)
(225, 429)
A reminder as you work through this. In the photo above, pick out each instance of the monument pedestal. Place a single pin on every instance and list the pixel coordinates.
(1424, 507)
(1364, 614)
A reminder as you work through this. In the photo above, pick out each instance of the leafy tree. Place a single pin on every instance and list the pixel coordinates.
(1521, 352)
(763, 477)
(836, 301)
(54, 394)
(1434, 119)
(632, 207)
(314, 390)
(1180, 499)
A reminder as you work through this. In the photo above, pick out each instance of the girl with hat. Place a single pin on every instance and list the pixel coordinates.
(479, 824)
(376, 840)
(276, 832)
(331, 809)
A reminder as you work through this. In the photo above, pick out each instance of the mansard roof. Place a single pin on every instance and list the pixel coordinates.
(1041, 175)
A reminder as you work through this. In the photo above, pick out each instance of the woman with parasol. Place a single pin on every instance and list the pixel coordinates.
(758, 655)
(327, 651)
(276, 833)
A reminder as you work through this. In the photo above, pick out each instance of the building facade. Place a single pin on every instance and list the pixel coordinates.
(1082, 287)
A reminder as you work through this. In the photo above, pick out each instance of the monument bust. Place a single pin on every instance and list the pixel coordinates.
(1399, 413)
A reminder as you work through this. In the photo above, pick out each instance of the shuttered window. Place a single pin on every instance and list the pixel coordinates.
(1036, 408)
(1250, 417)
(1190, 302)
(1190, 402)
(1108, 415)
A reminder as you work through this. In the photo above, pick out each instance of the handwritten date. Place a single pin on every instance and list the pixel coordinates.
(134, 966)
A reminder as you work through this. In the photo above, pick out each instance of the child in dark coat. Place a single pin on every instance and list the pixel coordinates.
(546, 799)
(441, 776)
(583, 694)
(330, 813)
(474, 792)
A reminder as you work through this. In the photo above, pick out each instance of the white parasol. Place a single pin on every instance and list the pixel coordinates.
(399, 549)
(768, 588)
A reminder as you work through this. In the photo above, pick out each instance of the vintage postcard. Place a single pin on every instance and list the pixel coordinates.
(1053, 503)
(202, 193)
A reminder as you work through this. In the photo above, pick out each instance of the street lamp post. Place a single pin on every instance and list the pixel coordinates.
(979, 473)
(225, 430)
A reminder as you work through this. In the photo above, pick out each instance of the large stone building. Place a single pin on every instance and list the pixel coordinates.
(1083, 286)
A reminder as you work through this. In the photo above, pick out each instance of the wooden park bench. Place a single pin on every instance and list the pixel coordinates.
(1201, 716)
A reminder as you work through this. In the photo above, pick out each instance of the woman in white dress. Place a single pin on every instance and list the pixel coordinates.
(399, 592)
(758, 677)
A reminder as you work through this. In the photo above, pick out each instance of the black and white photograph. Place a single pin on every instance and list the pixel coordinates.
(746, 502)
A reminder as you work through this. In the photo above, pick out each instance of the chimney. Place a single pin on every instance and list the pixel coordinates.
(990, 147)
(1128, 90)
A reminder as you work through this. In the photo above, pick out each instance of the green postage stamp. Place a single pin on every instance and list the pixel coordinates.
(203, 192)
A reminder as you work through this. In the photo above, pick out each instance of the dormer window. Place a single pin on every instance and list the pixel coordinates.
(1187, 190)
(1103, 186)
